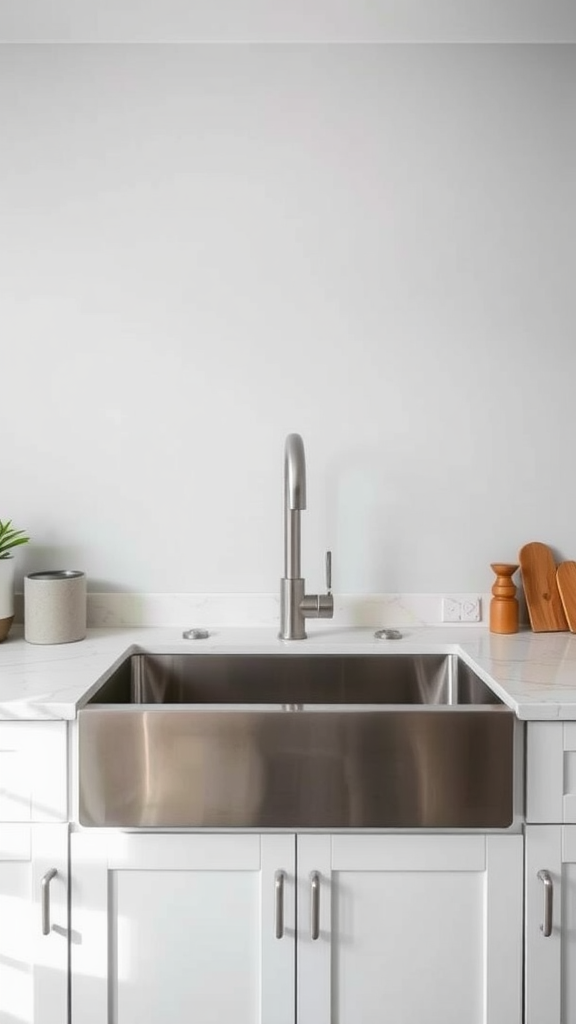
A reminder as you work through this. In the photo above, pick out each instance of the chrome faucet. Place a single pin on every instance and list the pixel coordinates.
(295, 605)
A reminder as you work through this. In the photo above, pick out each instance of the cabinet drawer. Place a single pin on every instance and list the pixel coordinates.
(551, 773)
(33, 760)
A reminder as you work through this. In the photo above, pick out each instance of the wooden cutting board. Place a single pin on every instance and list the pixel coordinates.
(566, 579)
(541, 588)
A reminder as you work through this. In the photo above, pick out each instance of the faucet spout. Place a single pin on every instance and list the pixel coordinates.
(294, 503)
(295, 604)
(294, 473)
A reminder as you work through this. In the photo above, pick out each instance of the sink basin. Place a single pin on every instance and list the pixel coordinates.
(295, 741)
(295, 679)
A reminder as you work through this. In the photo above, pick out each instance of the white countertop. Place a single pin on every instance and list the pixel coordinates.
(533, 673)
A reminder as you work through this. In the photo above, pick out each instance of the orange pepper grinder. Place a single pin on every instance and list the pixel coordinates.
(504, 603)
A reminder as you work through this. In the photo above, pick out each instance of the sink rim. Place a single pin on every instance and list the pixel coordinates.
(278, 708)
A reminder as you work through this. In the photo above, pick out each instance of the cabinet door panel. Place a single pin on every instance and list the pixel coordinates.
(413, 928)
(550, 958)
(399, 939)
(33, 966)
(182, 927)
(568, 899)
(176, 939)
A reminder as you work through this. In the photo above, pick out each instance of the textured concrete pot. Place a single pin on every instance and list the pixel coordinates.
(6, 596)
(55, 607)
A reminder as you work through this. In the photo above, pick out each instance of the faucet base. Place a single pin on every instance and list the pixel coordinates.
(296, 607)
(292, 621)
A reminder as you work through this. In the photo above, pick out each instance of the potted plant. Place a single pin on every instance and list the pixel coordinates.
(9, 538)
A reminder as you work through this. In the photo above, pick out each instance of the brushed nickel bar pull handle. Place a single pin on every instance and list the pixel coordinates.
(548, 884)
(45, 890)
(314, 905)
(328, 571)
(279, 888)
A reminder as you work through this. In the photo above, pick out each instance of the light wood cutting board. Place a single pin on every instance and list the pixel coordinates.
(541, 588)
(566, 579)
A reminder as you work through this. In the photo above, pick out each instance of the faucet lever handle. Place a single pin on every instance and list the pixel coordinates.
(329, 571)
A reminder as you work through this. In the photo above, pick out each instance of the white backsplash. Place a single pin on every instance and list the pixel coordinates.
(189, 610)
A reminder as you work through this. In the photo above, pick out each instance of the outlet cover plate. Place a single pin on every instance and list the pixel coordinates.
(461, 608)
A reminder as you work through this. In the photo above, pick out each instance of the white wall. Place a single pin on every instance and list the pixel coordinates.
(297, 21)
(204, 248)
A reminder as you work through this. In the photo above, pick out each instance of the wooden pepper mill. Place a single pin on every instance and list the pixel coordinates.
(504, 604)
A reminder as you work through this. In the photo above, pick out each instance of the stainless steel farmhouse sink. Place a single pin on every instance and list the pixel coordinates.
(295, 741)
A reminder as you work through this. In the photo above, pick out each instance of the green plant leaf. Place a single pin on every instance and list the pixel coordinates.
(4, 527)
(10, 538)
(14, 543)
(11, 533)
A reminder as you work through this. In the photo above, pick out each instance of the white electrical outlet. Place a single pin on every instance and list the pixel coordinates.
(470, 610)
(463, 608)
(450, 610)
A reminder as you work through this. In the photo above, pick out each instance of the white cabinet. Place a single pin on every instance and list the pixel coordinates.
(203, 927)
(551, 773)
(550, 937)
(410, 928)
(33, 771)
(550, 924)
(174, 927)
(33, 873)
(33, 900)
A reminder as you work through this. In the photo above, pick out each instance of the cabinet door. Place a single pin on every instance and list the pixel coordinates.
(174, 927)
(33, 965)
(550, 924)
(410, 929)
